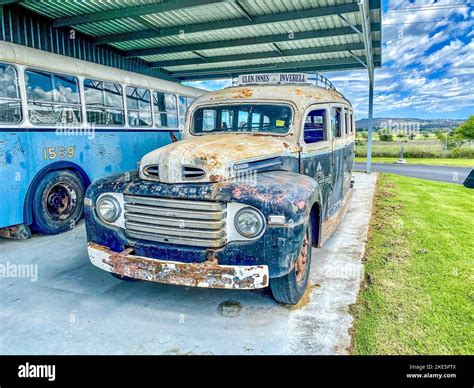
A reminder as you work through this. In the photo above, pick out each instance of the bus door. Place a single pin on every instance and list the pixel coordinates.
(337, 157)
(348, 150)
(316, 149)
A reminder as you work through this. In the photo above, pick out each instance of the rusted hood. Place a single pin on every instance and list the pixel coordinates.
(213, 154)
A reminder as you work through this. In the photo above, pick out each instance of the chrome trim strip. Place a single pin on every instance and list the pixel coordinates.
(176, 240)
(175, 213)
(174, 203)
(173, 222)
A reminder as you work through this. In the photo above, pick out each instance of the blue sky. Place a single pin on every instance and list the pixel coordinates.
(427, 63)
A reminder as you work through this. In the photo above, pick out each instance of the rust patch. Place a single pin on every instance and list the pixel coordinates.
(301, 205)
(244, 93)
(216, 178)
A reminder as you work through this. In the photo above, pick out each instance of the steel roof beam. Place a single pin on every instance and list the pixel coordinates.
(285, 66)
(259, 55)
(131, 12)
(367, 36)
(323, 33)
(232, 23)
(359, 32)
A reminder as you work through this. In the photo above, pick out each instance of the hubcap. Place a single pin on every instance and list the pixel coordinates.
(61, 201)
(302, 260)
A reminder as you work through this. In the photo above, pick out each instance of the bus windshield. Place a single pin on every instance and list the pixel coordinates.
(244, 118)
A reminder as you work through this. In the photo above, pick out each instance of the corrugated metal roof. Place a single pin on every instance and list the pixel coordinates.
(203, 33)
(63, 8)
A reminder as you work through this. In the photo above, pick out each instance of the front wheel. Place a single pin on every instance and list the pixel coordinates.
(290, 288)
(58, 202)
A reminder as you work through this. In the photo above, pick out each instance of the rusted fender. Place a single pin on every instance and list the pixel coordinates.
(207, 274)
(274, 192)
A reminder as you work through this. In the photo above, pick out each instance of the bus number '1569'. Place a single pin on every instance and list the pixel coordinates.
(51, 153)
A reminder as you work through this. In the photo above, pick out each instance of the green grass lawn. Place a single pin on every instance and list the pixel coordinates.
(430, 161)
(418, 292)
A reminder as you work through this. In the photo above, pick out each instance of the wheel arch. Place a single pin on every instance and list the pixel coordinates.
(62, 165)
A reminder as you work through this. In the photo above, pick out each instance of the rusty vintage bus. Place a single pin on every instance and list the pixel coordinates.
(263, 174)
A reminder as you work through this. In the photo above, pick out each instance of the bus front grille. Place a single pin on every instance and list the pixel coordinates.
(175, 221)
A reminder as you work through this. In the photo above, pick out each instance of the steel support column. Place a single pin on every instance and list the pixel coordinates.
(369, 125)
(367, 37)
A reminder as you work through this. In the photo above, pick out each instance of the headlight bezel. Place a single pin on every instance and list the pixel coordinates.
(254, 212)
(115, 202)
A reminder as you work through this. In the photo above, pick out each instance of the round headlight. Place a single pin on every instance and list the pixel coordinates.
(108, 208)
(249, 222)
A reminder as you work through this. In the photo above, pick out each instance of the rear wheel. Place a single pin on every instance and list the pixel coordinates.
(58, 202)
(290, 288)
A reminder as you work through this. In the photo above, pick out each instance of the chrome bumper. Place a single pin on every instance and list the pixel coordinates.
(207, 275)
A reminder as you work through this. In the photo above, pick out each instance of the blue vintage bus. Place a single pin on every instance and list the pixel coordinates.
(65, 123)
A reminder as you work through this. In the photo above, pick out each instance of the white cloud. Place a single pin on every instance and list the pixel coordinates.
(427, 66)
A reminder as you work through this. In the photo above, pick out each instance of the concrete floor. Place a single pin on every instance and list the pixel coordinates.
(75, 308)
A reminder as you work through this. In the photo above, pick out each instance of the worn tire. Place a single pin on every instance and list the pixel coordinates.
(124, 278)
(287, 289)
(58, 202)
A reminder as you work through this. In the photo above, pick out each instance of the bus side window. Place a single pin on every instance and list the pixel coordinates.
(104, 103)
(138, 107)
(52, 98)
(189, 101)
(347, 125)
(352, 122)
(336, 122)
(315, 126)
(10, 106)
(182, 109)
(165, 110)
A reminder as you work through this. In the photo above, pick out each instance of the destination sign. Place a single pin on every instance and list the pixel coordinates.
(273, 78)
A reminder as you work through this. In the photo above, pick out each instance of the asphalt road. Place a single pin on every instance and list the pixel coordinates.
(57, 302)
(433, 173)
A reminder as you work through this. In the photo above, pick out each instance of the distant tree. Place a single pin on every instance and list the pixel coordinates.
(364, 135)
(411, 136)
(466, 130)
(447, 139)
(426, 134)
(386, 137)
(455, 138)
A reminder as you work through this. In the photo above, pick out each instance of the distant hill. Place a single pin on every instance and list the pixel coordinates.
(425, 124)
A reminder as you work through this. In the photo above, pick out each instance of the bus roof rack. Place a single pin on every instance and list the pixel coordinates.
(321, 81)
